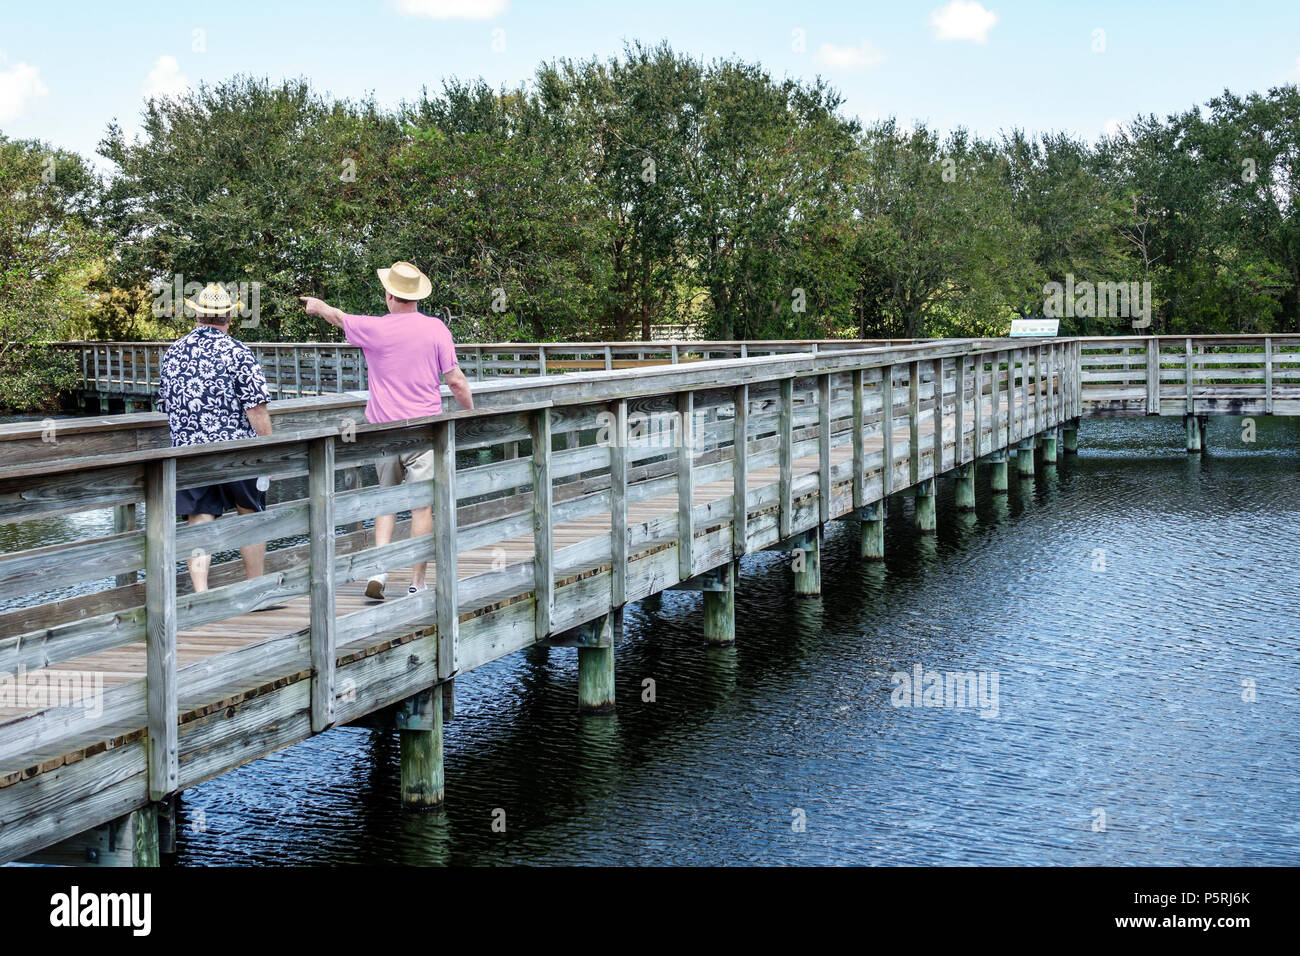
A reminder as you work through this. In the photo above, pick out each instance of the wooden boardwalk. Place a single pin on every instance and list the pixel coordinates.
(127, 663)
(556, 502)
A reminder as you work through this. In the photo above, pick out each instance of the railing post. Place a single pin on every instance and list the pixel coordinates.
(936, 461)
(914, 422)
(887, 431)
(824, 447)
(1191, 379)
(1039, 401)
(1078, 377)
(739, 471)
(124, 520)
(686, 486)
(1014, 427)
(160, 617)
(320, 519)
(1268, 375)
(786, 458)
(446, 563)
(543, 579)
(618, 506)
(859, 446)
(959, 411)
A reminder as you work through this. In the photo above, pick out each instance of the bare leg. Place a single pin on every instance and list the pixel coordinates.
(254, 554)
(421, 523)
(199, 560)
(384, 525)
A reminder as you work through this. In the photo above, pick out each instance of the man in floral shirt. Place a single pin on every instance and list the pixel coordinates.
(213, 390)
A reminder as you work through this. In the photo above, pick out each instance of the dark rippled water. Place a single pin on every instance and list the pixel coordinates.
(1131, 606)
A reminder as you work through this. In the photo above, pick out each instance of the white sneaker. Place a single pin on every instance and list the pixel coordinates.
(375, 587)
(414, 590)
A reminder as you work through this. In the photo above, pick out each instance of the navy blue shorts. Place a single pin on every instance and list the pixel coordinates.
(218, 499)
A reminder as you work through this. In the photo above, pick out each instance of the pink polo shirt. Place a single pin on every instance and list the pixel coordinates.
(407, 353)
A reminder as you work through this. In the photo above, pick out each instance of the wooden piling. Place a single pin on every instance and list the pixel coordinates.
(1025, 458)
(965, 485)
(419, 721)
(807, 563)
(925, 513)
(596, 670)
(720, 609)
(1070, 437)
(873, 531)
(144, 836)
(1193, 428)
(1049, 447)
(998, 473)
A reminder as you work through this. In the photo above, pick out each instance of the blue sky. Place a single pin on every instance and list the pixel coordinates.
(66, 70)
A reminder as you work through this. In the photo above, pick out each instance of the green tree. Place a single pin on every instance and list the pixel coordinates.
(769, 217)
(49, 243)
(939, 249)
(249, 182)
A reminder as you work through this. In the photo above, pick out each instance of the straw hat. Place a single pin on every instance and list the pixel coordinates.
(213, 300)
(405, 281)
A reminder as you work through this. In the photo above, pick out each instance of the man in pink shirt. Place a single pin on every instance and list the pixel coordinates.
(408, 356)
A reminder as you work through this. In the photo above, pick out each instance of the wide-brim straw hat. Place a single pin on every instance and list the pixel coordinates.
(214, 300)
(405, 281)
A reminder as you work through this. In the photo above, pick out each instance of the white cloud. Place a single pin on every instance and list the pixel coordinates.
(453, 9)
(20, 85)
(166, 78)
(963, 20)
(843, 57)
(1295, 70)
(1113, 127)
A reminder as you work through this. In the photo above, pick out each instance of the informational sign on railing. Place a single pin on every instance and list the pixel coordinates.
(1034, 327)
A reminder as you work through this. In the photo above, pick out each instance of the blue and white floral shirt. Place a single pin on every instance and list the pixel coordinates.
(209, 381)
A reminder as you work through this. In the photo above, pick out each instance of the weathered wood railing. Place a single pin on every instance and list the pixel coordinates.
(296, 369)
(1121, 375)
(628, 483)
(1191, 375)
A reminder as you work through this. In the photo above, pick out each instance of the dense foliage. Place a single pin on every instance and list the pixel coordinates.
(606, 199)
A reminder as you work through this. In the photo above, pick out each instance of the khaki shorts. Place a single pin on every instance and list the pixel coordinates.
(413, 466)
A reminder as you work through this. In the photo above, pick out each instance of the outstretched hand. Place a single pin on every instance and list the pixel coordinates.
(314, 306)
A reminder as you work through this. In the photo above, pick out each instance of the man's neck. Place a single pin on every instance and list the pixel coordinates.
(404, 310)
(209, 325)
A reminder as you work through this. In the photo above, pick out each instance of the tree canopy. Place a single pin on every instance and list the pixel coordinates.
(608, 198)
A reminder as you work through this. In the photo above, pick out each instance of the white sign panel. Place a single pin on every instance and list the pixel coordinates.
(1035, 327)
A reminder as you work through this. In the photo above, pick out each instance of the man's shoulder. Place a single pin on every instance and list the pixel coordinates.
(180, 345)
(440, 327)
(182, 341)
